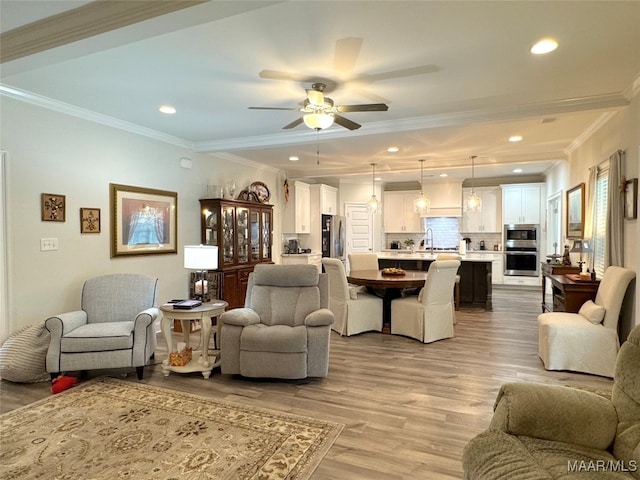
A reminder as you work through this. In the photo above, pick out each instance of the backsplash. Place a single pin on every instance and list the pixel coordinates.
(446, 234)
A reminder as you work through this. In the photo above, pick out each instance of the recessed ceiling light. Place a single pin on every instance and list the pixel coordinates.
(543, 46)
(517, 170)
(168, 109)
(293, 158)
(378, 179)
(393, 149)
(444, 174)
(515, 138)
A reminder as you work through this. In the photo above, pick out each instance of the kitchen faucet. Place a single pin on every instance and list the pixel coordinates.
(426, 237)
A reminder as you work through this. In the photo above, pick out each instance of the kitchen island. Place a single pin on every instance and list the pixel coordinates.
(475, 273)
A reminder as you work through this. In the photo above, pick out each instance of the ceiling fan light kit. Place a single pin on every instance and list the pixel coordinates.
(472, 203)
(422, 205)
(320, 112)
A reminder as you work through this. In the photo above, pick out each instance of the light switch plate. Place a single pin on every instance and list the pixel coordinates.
(48, 244)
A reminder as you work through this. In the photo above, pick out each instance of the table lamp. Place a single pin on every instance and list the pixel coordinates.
(201, 258)
(581, 246)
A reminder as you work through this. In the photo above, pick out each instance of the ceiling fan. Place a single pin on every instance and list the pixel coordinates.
(320, 112)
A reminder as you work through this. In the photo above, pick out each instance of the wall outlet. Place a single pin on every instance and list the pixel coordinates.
(47, 244)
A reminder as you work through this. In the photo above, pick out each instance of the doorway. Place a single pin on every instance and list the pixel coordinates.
(359, 229)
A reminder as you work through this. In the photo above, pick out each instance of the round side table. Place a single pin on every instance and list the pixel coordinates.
(200, 361)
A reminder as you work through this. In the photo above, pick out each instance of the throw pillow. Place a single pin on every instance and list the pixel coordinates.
(592, 312)
(23, 355)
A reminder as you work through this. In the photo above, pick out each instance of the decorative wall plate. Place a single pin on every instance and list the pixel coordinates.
(261, 191)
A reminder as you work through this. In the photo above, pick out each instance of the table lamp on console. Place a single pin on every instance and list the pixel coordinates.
(200, 258)
(581, 246)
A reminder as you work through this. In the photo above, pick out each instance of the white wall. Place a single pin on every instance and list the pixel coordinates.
(49, 152)
(621, 131)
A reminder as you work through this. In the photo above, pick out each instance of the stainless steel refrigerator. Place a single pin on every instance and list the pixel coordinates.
(334, 236)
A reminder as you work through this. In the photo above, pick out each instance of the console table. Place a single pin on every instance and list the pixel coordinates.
(548, 269)
(569, 295)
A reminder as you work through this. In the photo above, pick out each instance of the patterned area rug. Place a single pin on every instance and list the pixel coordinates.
(113, 429)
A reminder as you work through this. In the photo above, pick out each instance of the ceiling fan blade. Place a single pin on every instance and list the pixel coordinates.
(277, 75)
(272, 108)
(364, 107)
(345, 122)
(404, 72)
(346, 54)
(315, 97)
(293, 124)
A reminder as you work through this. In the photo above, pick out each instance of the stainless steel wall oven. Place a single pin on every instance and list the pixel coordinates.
(521, 250)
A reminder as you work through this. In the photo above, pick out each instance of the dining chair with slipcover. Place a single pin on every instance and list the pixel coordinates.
(456, 288)
(284, 328)
(430, 315)
(363, 261)
(586, 341)
(354, 309)
(113, 329)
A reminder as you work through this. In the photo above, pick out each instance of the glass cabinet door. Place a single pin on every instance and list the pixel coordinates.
(243, 234)
(210, 227)
(255, 235)
(228, 232)
(266, 235)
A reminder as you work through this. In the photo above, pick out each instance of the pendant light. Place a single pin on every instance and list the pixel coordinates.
(373, 205)
(422, 205)
(473, 203)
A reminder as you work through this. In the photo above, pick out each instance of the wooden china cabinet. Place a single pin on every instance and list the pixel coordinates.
(243, 232)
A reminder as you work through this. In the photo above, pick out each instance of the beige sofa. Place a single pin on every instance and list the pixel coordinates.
(553, 432)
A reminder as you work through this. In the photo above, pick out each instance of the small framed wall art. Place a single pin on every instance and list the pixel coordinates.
(89, 220)
(52, 207)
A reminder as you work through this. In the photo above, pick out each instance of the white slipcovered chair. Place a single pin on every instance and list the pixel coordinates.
(587, 341)
(363, 261)
(430, 315)
(113, 329)
(354, 309)
(456, 289)
(283, 331)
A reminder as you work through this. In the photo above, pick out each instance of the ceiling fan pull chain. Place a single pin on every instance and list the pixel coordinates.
(317, 146)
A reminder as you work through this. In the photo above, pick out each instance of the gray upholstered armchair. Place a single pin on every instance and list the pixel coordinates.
(283, 330)
(113, 329)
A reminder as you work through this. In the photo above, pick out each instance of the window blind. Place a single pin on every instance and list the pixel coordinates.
(600, 221)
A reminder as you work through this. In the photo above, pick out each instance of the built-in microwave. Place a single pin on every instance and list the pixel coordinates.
(520, 232)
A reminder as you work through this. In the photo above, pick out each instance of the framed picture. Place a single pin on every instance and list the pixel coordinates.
(52, 207)
(575, 212)
(89, 220)
(143, 221)
(631, 199)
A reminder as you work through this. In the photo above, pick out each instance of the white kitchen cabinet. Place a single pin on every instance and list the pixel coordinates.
(296, 214)
(445, 199)
(398, 213)
(489, 218)
(521, 203)
(327, 197)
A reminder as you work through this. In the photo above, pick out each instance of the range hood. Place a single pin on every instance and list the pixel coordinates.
(446, 199)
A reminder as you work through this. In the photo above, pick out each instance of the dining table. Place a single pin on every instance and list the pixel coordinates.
(388, 287)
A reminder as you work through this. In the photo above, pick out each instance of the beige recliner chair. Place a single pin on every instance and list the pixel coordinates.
(354, 309)
(430, 315)
(547, 431)
(284, 328)
(586, 341)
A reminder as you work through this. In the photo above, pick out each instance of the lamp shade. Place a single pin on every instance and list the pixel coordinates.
(581, 246)
(318, 121)
(201, 257)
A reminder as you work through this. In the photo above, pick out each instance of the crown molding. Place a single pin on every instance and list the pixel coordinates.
(606, 101)
(244, 161)
(591, 129)
(80, 23)
(83, 113)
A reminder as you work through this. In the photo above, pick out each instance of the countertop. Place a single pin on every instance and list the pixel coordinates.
(300, 254)
(471, 256)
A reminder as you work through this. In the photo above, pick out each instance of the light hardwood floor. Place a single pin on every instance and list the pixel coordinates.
(408, 408)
